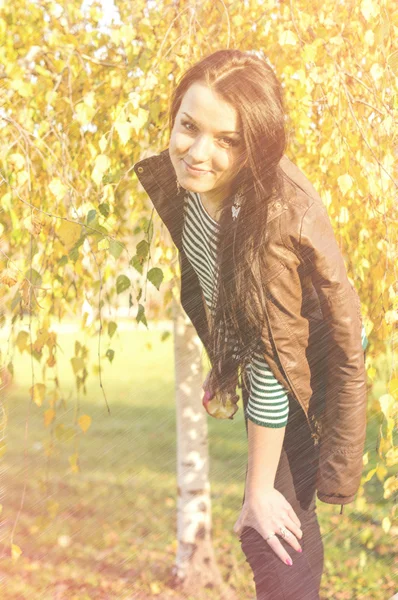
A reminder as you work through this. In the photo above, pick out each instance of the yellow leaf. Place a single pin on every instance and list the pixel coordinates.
(386, 404)
(345, 183)
(344, 215)
(390, 486)
(103, 142)
(84, 422)
(38, 392)
(155, 588)
(392, 61)
(57, 188)
(393, 388)
(23, 88)
(15, 552)
(127, 34)
(369, 9)
(369, 37)
(381, 472)
(74, 462)
(69, 233)
(124, 130)
(376, 71)
(16, 161)
(288, 38)
(386, 524)
(89, 99)
(138, 121)
(108, 194)
(370, 474)
(49, 416)
(102, 162)
(77, 364)
(22, 177)
(84, 113)
(372, 373)
(392, 457)
(22, 340)
(103, 244)
(238, 20)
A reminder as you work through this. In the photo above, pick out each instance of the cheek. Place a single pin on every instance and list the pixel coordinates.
(179, 141)
(227, 162)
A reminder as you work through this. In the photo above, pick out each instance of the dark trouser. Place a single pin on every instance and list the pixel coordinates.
(295, 479)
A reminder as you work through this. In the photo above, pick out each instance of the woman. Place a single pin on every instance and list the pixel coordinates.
(265, 285)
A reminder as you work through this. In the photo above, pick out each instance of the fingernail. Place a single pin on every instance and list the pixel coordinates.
(300, 550)
(289, 561)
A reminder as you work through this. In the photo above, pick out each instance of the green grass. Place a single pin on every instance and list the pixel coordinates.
(108, 532)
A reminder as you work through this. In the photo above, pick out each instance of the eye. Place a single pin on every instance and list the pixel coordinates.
(187, 125)
(229, 141)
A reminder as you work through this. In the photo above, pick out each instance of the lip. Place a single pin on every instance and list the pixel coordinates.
(193, 169)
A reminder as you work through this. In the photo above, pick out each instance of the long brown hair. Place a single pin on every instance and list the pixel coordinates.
(249, 84)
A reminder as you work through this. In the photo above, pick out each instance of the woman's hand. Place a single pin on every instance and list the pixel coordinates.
(267, 513)
(221, 406)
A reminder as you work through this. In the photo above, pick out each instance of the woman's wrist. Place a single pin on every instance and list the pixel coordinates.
(254, 491)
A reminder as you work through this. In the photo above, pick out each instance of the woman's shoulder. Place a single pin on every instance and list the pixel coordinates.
(299, 193)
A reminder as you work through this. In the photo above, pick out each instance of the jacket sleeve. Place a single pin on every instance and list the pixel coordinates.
(343, 422)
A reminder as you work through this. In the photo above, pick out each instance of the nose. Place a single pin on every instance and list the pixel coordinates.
(200, 151)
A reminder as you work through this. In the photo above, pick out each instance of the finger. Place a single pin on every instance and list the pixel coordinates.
(292, 525)
(293, 515)
(293, 535)
(278, 549)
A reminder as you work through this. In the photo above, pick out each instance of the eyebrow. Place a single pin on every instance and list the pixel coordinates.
(192, 119)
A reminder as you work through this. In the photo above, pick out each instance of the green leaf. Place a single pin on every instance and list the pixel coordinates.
(74, 254)
(150, 231)
(122, 283)
(136, 262)
(104, 209)
(33, 276)
(63, 260)
(110, 354)
(155, 276)
(141, 315)
(91, 216)
(115, 248)
(142, 249)
(112, 326)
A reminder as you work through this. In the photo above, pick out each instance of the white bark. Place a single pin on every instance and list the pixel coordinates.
(195, 568)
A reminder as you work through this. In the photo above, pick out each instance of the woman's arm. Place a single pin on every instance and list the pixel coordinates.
(344, 419)
(265, 447)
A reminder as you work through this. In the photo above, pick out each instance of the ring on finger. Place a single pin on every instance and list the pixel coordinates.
(284, 532)
(270, 536)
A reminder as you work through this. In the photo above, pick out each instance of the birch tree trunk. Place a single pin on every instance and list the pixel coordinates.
(195, 569)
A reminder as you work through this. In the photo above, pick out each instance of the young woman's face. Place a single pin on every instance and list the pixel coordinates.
(206, 136)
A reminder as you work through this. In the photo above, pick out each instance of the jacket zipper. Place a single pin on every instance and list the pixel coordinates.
(314, 433)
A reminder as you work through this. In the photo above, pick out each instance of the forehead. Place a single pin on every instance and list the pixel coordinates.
(209, 109)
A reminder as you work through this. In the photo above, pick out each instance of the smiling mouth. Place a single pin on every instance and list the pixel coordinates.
(195, 168)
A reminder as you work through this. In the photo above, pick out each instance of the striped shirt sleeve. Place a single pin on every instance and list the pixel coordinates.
(268, 403)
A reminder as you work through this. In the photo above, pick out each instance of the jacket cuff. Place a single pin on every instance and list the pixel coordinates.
(335, 499)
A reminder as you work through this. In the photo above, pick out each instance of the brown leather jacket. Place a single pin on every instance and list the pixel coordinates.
(312, 341)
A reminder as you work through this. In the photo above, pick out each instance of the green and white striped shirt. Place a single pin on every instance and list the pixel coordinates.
(268, 403)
